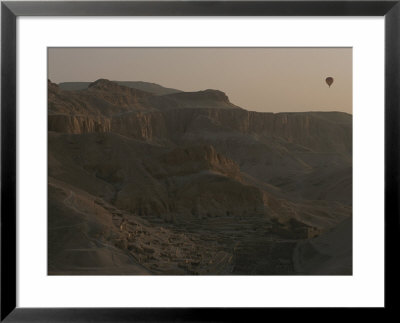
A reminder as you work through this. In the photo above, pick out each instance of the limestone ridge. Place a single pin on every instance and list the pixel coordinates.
(144, 116)
(153, 88)
(78, 124)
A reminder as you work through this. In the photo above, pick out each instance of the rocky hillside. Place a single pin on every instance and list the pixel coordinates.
(205, 111)
(193, 163)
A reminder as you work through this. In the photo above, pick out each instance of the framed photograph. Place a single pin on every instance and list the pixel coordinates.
(197, 160)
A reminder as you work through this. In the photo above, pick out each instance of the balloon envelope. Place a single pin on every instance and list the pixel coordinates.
(329, 81)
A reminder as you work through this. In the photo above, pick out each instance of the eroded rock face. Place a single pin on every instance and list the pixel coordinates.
(308, 130)
(317, 131)
(143, 116)
(140, 125)
(78, 124)
(101, 98)
(118, 95)
(194, 159)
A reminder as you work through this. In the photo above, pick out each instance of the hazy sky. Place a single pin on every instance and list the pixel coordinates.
(259, 79)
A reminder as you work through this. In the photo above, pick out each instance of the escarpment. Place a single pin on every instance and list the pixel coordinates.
(144, 116)
(76, 124)
(305, 129)
(140, 125)
(193, 159)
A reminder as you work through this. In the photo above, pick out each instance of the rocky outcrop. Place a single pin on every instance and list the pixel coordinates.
(140, 125)
(203, 96)
(143, 116)
(52, 87)
(103, 98)
(193, 100)
(77, 124)
(118, 95)
(152, 88)
(194, 159)
(316, 131)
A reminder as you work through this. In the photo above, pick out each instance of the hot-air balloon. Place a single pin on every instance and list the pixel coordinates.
(329, 80)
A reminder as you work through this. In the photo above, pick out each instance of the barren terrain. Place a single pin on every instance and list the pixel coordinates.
(149, 180)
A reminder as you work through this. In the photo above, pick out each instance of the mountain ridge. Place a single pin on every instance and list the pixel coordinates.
(139, 85)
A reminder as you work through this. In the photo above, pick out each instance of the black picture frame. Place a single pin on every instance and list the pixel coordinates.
(11, 10)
